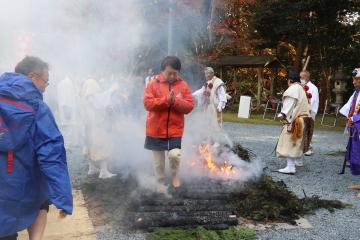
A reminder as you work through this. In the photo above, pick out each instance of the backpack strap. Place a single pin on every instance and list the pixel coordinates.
(10, 162)
(8, 147)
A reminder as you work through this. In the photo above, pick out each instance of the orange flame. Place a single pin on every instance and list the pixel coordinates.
(225, 169)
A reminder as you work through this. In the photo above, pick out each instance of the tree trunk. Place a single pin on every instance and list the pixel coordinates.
(325, 81)
(260, 73)
(211, 19)
(299, 55)
(325, 86)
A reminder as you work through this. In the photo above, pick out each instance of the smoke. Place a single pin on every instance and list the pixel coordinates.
(113, 42)
(205, 141)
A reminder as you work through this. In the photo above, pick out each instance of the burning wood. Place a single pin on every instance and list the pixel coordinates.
(211, 202)
(214, 162)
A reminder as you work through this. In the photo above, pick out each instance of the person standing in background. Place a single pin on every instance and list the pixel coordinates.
(314, 102)
(97, 104)
(351, 110)
(294, 112)
(69, 117)
(212, 95)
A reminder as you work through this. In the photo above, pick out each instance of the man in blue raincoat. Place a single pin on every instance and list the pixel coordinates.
(33, 167)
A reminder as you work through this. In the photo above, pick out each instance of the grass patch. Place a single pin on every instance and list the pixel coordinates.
(258, 119)
(201, 233)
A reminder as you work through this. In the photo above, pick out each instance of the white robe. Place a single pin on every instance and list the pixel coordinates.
(69, 117)
(295, 105)
(220, 92)
(97, 128)
(346, 108)
(314, 102)
(67, 102)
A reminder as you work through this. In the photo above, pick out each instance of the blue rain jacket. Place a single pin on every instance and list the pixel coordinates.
(33, 165)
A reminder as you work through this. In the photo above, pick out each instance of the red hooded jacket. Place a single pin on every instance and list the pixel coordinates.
(165, 120)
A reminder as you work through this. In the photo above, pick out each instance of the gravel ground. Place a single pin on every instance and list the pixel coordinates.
(318, 177)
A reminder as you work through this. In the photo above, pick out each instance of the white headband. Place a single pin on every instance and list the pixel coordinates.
(209, 69)
(356, 72)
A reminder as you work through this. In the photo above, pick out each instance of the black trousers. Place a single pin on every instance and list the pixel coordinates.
(13, 237)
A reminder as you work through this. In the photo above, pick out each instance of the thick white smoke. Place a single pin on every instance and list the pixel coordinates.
(207, 148)
(84, 39)
(106, 41)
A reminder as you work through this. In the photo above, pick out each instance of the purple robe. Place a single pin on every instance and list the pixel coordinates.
(353, 147)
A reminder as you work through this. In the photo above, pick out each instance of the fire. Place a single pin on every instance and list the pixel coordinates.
(206, 154)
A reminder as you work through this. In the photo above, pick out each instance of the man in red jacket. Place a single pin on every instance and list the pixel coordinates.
(167, 99)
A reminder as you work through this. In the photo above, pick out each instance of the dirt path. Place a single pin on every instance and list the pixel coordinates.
(78, 226)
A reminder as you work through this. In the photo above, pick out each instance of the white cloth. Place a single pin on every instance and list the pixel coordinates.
(302, 106)
(69, 115)
(346, 108)
(286, 148)
(148, 79)
(97, 126)
(198, 95)
(67, 101)
(295, 105)
(221, 96)
(288, 107)
(357, 72)
(314, 102)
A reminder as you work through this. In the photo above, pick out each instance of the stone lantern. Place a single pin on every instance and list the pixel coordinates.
(339, 86)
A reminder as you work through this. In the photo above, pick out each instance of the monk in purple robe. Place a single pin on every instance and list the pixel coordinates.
(352, 111)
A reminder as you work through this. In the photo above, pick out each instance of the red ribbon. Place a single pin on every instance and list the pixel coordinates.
(10, 161)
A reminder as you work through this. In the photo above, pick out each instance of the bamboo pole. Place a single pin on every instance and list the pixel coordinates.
(306, 63)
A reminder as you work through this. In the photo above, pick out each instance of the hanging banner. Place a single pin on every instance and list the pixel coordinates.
(24, 45)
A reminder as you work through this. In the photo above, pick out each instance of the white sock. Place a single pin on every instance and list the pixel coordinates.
(291, 163)
(92, 168)
(104, 172)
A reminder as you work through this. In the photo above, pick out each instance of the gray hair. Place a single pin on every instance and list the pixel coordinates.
(209, 69)
(31, 64)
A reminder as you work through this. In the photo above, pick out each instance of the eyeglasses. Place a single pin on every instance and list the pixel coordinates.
(46, 82)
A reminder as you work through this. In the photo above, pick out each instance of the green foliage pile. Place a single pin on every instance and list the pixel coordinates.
(269, 200)
(242, 152)
(201, 233)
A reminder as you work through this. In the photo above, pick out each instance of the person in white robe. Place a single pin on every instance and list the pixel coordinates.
(97, 127)
(295, 110)
(212, 96)
(69, 118)
(314, 102)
